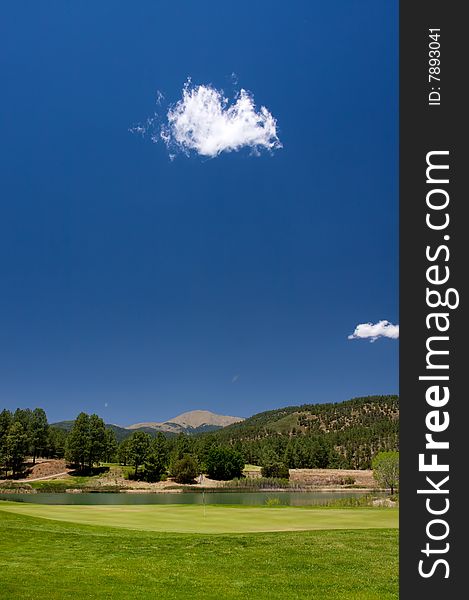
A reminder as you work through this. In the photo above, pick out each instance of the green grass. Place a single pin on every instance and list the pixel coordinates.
(190, 518)
(285, 424)
(70, 481)
(41, 559)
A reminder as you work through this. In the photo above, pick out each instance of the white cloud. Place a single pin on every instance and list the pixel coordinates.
(235, 379)
(159, 97)
(204, 121)
(373, 331)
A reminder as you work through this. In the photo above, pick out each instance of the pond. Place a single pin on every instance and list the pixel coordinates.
(234, 498)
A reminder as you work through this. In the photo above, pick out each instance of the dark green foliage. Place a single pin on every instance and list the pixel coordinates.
(110, 452)
(185, 469)
(77, 446)
(123, 452)
(139, 447)
(341, 435)
(98, 441)
(23, 433)
(275, 469)
(183, 445)
(56, 439)
(183, 464)
(157, 459)
(6, 419)
(23, 416)
(308, 452)
(38, 431)
(224, 463)
(86, 442)
(16, 447)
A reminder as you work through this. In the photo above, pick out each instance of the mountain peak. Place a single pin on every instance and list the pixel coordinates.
(192, 419)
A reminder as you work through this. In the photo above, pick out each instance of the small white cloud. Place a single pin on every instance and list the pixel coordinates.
(147, 128)
(204, 121)
(159, 97)
(373, 331)
(138, 129)
(106, 405)
(235, 379)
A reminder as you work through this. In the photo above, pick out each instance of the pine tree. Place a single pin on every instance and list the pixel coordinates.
(97, 442)
(38, 432)
(111, 446)
(139, 447)
(16, 447)
(123, 452)
(77, 449)
(6, 419)
(157, 460)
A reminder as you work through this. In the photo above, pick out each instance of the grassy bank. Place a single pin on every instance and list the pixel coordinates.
(41, 558)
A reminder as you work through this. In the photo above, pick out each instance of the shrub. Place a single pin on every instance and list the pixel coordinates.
(273, 502)
(224, 463)
(260, 483)
(275, 469)
(347, 480)
(185, 470)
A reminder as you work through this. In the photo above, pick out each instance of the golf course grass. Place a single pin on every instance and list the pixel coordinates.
(189, 518)
(41, 558)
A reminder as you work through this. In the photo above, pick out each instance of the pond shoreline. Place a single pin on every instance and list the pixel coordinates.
(199, 490)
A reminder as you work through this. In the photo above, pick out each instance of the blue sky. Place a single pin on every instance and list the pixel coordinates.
(139, 287)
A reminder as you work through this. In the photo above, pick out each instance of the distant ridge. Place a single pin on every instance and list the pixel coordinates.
(194, 421)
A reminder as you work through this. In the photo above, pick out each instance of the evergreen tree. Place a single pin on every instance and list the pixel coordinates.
(97, 442)
(6, 419)
(123, 452)
(38, 432)
(139, 447)
(157, 459)
(16, 447)
(290, 456)
(183, 446)
(111, 446)
(56, 440)
(77, 448)
(24, 416)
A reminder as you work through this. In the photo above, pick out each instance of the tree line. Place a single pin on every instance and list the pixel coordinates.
(23, 433)
(26, 434)
(181, 457)
(346, 435)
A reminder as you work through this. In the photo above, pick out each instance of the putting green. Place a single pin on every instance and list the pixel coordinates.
(213, 519)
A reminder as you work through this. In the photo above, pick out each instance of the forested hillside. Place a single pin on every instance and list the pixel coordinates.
(346, 434)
